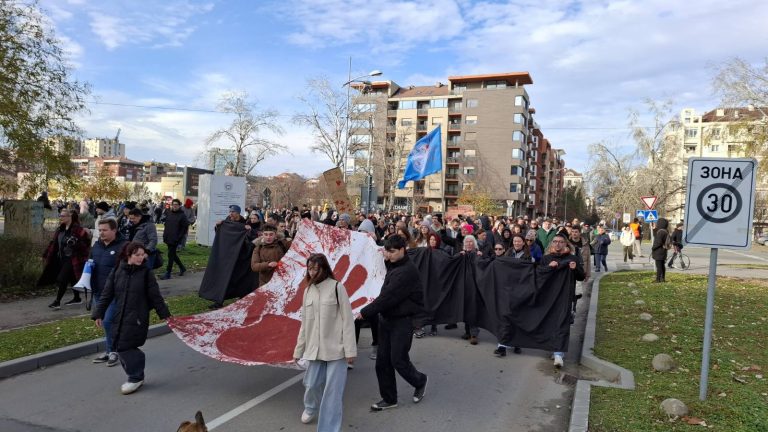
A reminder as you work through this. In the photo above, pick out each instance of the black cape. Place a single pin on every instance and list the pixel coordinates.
(228, 274)
(522, 304)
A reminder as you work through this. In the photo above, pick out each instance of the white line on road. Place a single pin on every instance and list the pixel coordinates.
(253, 402)
(747, 255)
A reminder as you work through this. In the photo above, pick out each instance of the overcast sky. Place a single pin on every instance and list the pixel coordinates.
(591, 61)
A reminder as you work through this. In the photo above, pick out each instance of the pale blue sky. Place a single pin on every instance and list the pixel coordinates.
(591, 61)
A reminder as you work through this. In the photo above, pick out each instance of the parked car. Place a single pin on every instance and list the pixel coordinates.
(763, 239)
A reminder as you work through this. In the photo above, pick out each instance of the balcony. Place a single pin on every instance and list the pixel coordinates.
(391, 113)
(454, 126)
(421, 128)
(418, 191)
(452, 160)
(452, 176)
(451, 193)
(455, 110)
(422, 112)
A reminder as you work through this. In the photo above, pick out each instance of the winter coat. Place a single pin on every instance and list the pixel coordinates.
(145, 233)
(105, 258)
(564, 260)
(677, 237)
(536, 252)
(401, 294)
(327, 329)
(176, 226)
(627, 237)
(581, 248)
(658, 251)
(73, 244)
(135, 291)
(522, 254)
(264, 253)
(601, 244)
(189, 212)
(545, 237)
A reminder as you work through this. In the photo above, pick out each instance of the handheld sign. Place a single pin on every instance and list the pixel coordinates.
(720, 202)
(719, 206)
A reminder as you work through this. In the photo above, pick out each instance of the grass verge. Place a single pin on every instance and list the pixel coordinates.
(747, 266)
(44, 337)
(737, 398)
(194, 257)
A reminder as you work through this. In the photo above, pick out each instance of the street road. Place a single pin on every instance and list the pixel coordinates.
(469, 390)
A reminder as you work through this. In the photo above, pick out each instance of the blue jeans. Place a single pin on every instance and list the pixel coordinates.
(107, 321)
(324, 382)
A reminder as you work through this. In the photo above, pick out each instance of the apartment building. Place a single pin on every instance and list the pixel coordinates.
(489, 142)
(128, 169)
(721, 133)
(102, 148)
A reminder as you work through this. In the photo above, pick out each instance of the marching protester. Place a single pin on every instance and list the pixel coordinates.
(558, 256)
(580, 247)
(659, 249)
(176, 226)
(190, 212)
(601, 242)
(366, 226)
(546, 233)
(65, 257)
(676, 238)
(268, 251)
(536, 251)
(144, 231)
(327, 341)
(627, 240)
(105, 254)
(401, 299)
(135, 292)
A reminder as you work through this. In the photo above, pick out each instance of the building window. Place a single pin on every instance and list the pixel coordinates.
(361, 139)
(467, 186)
(519, 100)
(471, 103)
(365, 107)
(496, 84)
(470, 136)
(469, 171)
(470, 120)
(532, 185)
(438, 103)
(469, 153)
(517, 136)
(517, 154)
(517, 170)
(715, 132)
(406, 122)
(517, 118)
(459, 88)
(361, 124)
(515, 187)
(691, 133)
(714, 148)
(407, 105)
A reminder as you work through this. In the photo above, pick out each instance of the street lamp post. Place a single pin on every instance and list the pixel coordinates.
(350, 80)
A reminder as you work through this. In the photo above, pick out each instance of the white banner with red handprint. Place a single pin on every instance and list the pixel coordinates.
(262, 327)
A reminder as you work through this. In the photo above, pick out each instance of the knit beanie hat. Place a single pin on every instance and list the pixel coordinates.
(530, 235)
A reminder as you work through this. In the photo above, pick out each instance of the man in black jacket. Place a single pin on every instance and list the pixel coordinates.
(176, 226)
(399, 301)
(677, 244)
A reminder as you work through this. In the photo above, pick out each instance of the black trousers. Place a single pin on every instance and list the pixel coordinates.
(374, 322)
(133, 361)
(661, 271)
(65, 278)
(395, 337)
(173, 257)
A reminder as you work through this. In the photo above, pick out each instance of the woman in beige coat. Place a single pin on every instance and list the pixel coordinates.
(327, 341)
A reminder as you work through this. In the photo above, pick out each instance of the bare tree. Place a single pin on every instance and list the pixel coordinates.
(326, 116)
(242, 138)
(613, 177)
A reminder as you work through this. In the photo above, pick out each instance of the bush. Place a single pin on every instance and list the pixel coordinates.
(20, 265)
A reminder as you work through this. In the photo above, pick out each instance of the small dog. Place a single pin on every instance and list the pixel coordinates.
(197, 426)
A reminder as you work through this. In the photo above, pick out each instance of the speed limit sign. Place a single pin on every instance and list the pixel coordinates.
(720, 202)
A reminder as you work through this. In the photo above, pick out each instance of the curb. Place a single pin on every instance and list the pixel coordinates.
(60, 355)
(617, 376)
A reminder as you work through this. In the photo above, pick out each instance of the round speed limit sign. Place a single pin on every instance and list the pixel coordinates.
(719, 202)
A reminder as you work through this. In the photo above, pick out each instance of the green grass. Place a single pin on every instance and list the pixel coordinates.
(44, 337)
(194, 256)
(740, 333)
(747, 266)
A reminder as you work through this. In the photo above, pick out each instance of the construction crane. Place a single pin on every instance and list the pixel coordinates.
(118, 134)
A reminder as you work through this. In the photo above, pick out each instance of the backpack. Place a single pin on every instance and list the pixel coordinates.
(668, 241)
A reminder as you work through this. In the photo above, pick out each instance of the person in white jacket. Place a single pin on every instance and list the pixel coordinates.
(326, 341)
(627, 241)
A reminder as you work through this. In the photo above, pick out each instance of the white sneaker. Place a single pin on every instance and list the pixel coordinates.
(306, 417)
(558, 361)
(130, 387)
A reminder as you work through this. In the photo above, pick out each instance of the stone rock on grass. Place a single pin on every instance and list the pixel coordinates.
(639, 302)
(649, 337)
(645, 316)
(663, 362)
(631, 284)
(674, 407)
(635, 292)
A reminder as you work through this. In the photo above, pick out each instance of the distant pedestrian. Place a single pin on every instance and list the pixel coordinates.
(134, 289)
(176, 226)
(659, 249)
(637, 230)
(65, 257)
(326, 340)
(400, 300)
(676, 238)
(627, 241)
(601, 248)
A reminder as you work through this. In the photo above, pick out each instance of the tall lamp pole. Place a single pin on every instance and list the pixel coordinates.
(347, 84)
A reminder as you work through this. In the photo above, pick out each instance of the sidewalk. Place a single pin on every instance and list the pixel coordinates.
(35, 311)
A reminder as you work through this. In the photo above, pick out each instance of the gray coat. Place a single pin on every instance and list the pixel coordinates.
(145, 233)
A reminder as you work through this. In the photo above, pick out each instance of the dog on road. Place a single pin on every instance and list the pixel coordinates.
(197, 426)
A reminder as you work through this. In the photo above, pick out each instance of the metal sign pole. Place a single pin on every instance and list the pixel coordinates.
(708, 324)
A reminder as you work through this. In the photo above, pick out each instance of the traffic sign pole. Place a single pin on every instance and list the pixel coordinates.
(708, 324)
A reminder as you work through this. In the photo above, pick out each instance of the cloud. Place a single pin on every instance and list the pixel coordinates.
(159, 24)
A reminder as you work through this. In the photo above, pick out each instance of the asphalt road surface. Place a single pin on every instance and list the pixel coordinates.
(469, 390)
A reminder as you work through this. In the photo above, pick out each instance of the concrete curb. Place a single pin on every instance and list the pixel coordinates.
(60, 355)
(617, 376)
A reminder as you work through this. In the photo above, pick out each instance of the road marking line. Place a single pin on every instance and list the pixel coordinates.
(747, 255)
(253, 402)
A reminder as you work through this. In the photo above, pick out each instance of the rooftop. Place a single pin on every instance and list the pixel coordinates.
(735, 114)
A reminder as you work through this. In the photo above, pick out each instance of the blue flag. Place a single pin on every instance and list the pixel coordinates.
(426, 158)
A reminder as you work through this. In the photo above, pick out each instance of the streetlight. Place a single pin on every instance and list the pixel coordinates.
(347, 84)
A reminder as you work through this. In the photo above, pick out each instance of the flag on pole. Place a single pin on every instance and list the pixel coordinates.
(426, 158)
